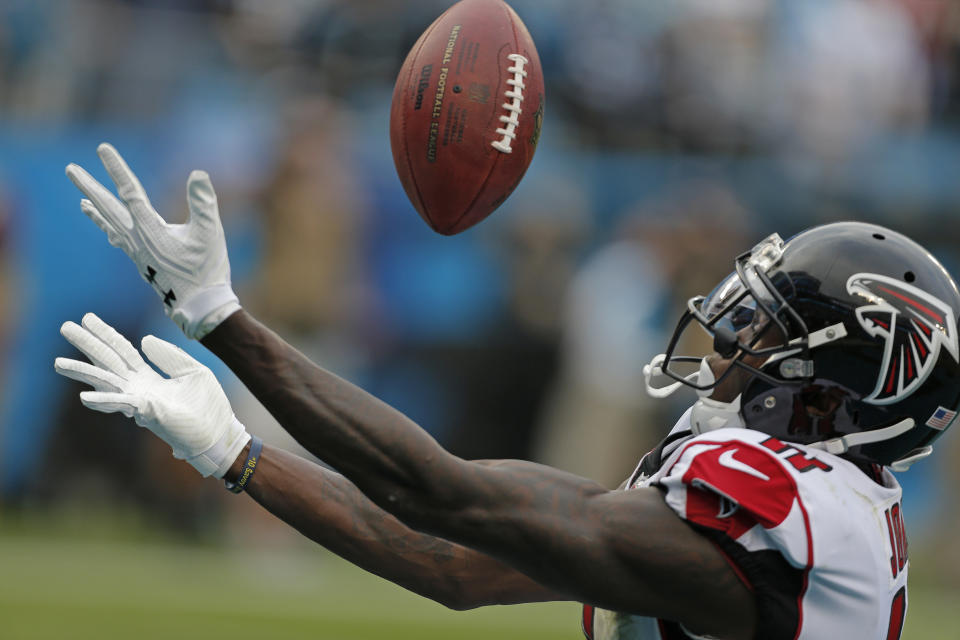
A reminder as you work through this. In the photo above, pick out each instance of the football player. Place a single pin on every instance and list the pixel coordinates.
(769, 511)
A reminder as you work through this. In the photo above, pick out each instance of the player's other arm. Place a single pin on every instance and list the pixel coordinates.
(625, 551)
(330, 510)
(188, 410)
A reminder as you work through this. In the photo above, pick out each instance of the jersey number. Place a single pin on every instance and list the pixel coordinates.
(898, 560)
(898, 539)
(800, 461)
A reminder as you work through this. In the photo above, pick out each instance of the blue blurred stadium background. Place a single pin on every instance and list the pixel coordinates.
(676, 135)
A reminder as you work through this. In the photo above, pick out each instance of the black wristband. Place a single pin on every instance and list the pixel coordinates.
(253, 458)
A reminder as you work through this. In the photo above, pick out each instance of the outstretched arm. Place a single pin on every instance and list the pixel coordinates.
(623, 550)
(330, 510)
(189, 411)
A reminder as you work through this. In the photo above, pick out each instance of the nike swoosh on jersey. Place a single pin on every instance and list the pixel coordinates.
(726, 459)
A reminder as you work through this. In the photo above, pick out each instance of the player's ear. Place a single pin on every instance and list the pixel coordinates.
(821, 401)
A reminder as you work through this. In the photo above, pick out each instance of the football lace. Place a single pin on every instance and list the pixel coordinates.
(515, 92)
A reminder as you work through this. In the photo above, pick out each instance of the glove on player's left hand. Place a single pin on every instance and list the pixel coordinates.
(188, 410)
(185, 263)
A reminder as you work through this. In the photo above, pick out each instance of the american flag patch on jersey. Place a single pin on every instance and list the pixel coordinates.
(941, 418)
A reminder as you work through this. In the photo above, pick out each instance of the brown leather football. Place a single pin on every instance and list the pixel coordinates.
(466, 113)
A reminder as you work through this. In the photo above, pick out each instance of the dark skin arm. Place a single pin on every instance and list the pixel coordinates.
(621, 550)
(330, 510)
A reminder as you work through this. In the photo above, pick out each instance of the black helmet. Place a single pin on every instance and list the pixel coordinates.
(870, 366)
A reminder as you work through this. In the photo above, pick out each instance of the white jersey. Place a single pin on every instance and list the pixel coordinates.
(819, 542)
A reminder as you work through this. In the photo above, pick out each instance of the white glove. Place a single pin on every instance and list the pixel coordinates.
(186, 264)
(188, 410)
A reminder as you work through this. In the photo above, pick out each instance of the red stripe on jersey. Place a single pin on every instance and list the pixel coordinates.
(736, 569)
(803, 592)
(898, 611)
(587, 621)
(806, 569)
(661, 627)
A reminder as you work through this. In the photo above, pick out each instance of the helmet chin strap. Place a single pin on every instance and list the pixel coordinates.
(708, 414)
(843, 444)
(917, 454)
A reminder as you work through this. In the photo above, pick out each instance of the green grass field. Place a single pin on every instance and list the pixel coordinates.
(65, 587)
(61, 582)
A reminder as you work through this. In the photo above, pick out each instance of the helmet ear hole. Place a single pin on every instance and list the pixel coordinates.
(909, 277)
(821, 399)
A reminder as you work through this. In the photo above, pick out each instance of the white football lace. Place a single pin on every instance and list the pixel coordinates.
(516, 93)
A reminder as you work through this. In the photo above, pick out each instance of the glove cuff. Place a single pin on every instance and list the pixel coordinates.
(206, 309)
(217, 460)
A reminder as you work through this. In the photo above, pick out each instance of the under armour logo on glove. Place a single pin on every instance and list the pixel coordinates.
(168, 296)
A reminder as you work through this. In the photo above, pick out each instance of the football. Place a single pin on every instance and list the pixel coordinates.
(466, 114)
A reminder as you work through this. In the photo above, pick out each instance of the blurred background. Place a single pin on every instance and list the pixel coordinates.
(677, 134)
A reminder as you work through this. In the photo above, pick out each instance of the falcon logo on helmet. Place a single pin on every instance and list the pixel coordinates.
(914, 324)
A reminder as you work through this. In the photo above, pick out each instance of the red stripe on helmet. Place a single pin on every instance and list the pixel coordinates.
(913, 303)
